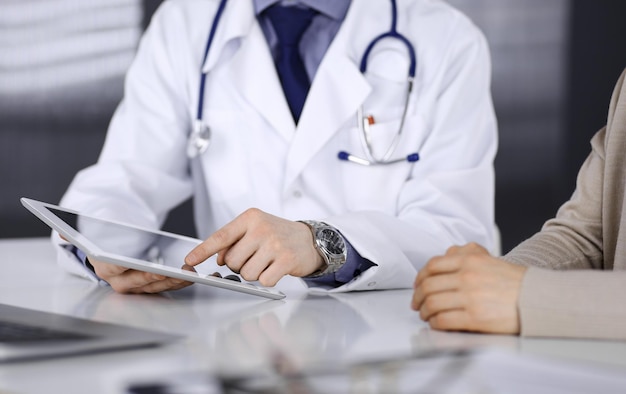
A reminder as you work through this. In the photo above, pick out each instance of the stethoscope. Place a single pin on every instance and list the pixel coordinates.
(200, 138)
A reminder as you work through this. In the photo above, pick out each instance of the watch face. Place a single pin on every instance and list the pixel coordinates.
(331, 241)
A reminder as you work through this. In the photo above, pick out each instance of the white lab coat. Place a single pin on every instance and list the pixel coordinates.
(397, 216)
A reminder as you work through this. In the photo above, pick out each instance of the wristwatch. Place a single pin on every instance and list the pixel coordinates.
(329, 244)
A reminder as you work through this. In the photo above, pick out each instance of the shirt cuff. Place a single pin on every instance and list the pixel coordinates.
(82, 257)
(353, 267)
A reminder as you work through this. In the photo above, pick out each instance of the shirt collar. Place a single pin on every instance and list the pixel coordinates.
(335, 9)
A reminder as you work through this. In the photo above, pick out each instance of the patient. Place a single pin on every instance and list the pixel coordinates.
(568, 280)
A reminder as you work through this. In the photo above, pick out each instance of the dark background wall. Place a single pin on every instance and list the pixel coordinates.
(596, 58)
(61, 77)
(554, 66)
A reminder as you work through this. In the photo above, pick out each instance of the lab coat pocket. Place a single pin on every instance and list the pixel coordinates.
(377, 187)
(382, 114)
(387, 98)
(225, 163)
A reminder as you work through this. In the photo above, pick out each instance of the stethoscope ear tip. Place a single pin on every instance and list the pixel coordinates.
(413, 157)
(343, 155)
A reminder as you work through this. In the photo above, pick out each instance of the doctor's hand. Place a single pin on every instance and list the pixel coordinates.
(260, 246)
(125, 280)
(469, 290)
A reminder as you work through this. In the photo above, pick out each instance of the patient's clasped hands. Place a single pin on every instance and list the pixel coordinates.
(467, 289)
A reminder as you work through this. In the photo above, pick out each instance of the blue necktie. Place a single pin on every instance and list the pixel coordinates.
(289, 24)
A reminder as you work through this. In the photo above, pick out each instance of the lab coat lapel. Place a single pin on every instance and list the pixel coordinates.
(251, 67)
(255, 76)
(336, 92)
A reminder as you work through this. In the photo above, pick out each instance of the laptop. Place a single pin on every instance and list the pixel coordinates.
(129, 246)
(27, 334)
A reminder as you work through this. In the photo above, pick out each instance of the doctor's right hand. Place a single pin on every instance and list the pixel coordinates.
(262, 247)
(125, 280)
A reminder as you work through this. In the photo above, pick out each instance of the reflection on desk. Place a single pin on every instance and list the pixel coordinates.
(232, 334)
(440, 371)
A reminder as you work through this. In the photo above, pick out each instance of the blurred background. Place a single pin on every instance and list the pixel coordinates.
(62, 65)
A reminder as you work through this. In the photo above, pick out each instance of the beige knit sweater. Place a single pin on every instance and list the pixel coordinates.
(588, 239)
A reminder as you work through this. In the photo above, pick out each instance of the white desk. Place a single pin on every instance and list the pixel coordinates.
(227, 331)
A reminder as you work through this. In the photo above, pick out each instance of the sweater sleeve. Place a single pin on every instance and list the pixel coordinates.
(573, 304)
(573, 239)
(587, 300)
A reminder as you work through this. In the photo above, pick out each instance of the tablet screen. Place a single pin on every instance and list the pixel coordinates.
(123, 240)
(141, 249)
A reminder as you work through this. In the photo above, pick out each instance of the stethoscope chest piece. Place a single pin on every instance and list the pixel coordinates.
(199, 141)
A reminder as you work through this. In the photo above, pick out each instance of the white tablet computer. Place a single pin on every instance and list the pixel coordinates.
(134, 247)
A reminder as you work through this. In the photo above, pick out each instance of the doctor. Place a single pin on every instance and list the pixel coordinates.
(387, 156)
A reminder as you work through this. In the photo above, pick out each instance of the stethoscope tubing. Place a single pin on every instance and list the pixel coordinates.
(216, 20)
(201, 134)
(363, 122)
(392, 33)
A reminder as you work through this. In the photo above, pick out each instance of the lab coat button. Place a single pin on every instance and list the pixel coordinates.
(371, 284)
(297, 193)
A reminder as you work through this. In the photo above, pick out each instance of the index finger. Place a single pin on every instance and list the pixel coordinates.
(219, 240)
(467, 249)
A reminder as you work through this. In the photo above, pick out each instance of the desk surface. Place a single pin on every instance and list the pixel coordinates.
(231, 332)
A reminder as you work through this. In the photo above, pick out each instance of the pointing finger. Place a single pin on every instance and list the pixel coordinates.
(220, 240)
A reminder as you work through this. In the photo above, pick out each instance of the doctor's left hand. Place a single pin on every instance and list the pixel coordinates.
(125, 280)
(262, 247)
